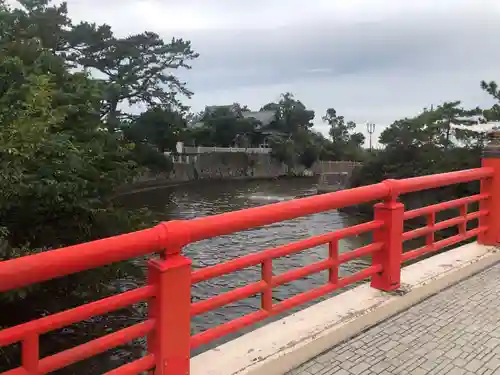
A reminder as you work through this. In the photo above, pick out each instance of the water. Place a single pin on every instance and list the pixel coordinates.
(211, 198)
(207, 199)
(215, 198)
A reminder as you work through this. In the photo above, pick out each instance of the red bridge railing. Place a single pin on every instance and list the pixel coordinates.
(170, 279)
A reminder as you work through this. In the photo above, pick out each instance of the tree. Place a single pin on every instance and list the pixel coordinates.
(133, 70)
(55, 178)
(224, 127)
(297, 143)
(309, 155)
(161, 128)
(346, 144)
(493, 113)
(423, 144)
(448, 113)
(491, 88)
(60, 164)
(138, 69)
(38, 20)
(284, 150)
(291, 114)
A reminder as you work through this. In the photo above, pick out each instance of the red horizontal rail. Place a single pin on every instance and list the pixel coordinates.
(32, 269)
(359, 276)
(301, 272)
(170, 237)
(136, 367)
(87, 350)
(97, 346)
(281, 251)
(414, 184)
(213, 303)
(27, 270)
(442, 244)
(360, 252)
(252, 318)
(16, 371)
(230, 222)
(217, 225)
(444, 206)
(442, 225)
(65, 318)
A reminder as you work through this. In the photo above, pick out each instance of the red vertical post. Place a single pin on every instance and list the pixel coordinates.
(333, 255)
(431, 221)
(31, 354)
(267, 277)
(462, 227)
(170, 308)
(391, 235)
(491, 186)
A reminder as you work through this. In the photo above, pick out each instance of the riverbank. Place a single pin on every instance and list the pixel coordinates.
(145, 186)
(193, 169)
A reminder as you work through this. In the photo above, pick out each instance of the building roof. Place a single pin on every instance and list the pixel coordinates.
(264, 117)
(213, 108)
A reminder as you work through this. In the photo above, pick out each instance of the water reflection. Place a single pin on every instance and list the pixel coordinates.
(215, 198)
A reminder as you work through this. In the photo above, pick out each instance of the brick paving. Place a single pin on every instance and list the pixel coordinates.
(454, 332)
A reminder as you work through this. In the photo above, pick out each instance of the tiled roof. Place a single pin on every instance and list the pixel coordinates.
(265, 117)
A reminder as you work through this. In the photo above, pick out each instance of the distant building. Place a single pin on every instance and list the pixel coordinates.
(210, 110)
(265, 121)
(477, 119)
(265, 118)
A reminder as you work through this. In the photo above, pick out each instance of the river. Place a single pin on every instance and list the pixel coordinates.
(211, 198)
(215, 198)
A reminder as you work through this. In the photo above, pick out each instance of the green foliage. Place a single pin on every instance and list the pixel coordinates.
(225, 127)
(162, 128)
(291, 114)
(346, 144)
(294, 143)
(155, 132)
(145, 154)
(289, 134)
(309, 155)
(60, 161)
(493, 113)
(283, 150)
(425, 144)
(138, 69)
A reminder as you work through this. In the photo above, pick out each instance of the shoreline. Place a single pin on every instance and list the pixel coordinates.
(136, 188)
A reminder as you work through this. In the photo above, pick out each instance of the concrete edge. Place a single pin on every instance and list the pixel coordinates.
(285, 344)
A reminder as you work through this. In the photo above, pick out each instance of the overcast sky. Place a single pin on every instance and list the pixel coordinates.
(372, 60)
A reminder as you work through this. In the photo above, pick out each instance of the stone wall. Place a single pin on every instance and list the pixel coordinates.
(336, 177)
(235, 165)
(328, 166)
(227, 165)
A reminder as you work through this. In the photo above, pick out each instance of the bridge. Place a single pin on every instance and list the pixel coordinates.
(417, 312)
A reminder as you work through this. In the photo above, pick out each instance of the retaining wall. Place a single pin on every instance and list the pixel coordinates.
(234, 165)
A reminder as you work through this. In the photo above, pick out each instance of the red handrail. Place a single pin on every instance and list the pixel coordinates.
(20, 272)
(48, 265)
(169, 337)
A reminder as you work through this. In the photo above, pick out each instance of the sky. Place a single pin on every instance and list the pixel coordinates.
(372, 60)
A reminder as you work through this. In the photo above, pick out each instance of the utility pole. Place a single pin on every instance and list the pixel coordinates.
(370, 128)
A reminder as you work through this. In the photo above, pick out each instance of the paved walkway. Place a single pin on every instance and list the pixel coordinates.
(454, 332)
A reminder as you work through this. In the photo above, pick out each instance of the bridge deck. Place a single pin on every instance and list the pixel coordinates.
(454, 332)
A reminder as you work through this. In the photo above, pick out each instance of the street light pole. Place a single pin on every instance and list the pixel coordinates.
(370, 128)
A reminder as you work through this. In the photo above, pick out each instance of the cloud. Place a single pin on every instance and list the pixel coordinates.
(372, 60)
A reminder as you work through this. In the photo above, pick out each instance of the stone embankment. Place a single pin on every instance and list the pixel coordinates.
(234, 165)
